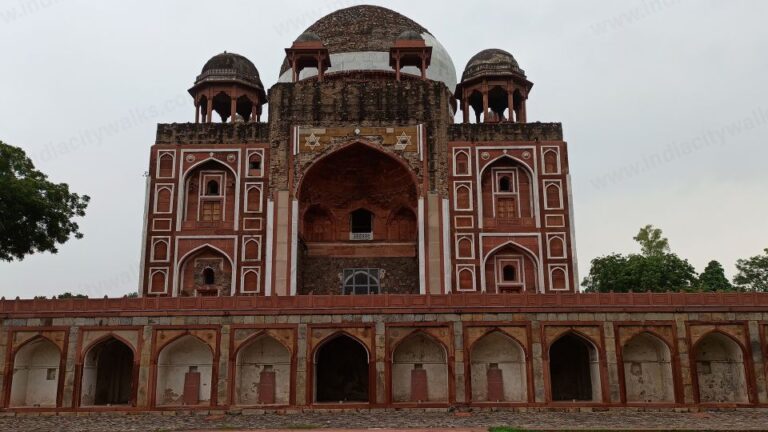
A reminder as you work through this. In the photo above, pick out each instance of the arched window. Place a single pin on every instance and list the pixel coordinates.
(209, 277)
(361, 281)
(157, 283)
(212, 188)
(463, 198)
(361, 225)
(504, 184)
(509, 273)
(556, 248)
(559, 282)
(466, 280)
(461, 163)
(166, 166)
(550, 162)
(553, 196)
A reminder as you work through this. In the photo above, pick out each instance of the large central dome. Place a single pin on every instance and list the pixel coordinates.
(359, 38)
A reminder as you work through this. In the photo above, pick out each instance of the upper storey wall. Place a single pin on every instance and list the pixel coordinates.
(364, 100)
(477, 132)
(212, 133)
(368, 101)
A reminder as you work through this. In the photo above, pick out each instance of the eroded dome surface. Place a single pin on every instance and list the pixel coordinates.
(359, 38)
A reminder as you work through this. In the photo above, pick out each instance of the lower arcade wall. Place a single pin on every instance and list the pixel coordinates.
(527, 350)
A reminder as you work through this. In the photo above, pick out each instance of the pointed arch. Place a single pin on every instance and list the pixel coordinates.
(194, 166)
(262, 371)
(342, 370)
(539, 271)
(368, 145)
(553, 193)
(461, 163)
(35, 376)
(184, 372)
(165, 164)
(647, 369)
(558, 278)
(180, 264)
(720, 369)
(465, 277)
(488, 186)
(498, 368)
(463, 197)
(419, 364)
(551, 158)
(341, 333)
(574, 368)
(557, 246)
(228, 202)
(108, 372)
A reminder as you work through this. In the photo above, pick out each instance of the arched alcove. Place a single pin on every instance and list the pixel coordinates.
(498, 369)
(209, 196)
(205, 272)
(419, 370)
(507, 194)
(720, 370)
(648, 369)
(35, 374)
(263, 373)
(511, 268)
(184, 370)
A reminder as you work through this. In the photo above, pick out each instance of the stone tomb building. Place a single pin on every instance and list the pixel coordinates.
(361, 248)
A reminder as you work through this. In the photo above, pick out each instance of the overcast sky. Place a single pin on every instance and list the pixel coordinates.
(664, 105)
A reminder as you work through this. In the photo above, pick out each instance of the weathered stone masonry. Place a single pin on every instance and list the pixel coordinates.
(695, 331)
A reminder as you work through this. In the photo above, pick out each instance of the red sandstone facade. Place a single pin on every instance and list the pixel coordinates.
(362, 249)
(359, 174)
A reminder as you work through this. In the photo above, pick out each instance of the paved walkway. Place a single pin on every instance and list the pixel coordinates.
(388, 420)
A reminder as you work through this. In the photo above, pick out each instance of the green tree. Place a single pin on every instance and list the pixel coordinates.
(35, 214)
(753, 273)
(69, 295)
(652, 241)
(713, 278)
(634, 272)
(656, 269)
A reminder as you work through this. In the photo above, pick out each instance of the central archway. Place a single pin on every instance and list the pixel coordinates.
(357, 211)
(342, 371)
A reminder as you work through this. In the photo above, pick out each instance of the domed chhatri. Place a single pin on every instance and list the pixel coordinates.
(230, 66)
(495, 87)
(359, 38)
(228, 84)
(491, 62)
